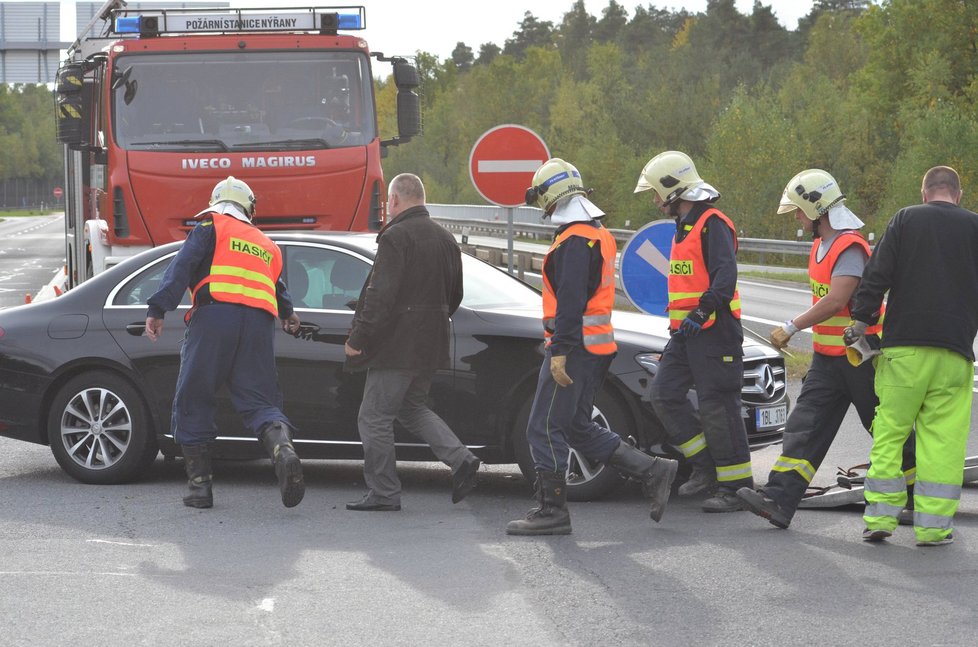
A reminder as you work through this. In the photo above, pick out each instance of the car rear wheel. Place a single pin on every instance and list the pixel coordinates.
(586, 481)
(99, 431)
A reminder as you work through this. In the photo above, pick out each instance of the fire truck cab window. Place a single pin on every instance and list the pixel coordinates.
(244, 101)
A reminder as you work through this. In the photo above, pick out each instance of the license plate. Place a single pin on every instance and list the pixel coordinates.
(771, 416)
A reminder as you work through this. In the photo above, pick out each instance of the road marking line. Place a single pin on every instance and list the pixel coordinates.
(118, 543)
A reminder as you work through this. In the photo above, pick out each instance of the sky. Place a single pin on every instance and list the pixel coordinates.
(436, 26)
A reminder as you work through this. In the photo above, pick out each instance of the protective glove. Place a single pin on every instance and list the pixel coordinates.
(558, 369)
(852, 334)
(693, 323)
(782, 334)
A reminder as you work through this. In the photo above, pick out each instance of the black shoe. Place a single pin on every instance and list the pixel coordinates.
(465, 478)
(937, 542)
(875, 535)
(723, 502)
(366, 505)
(905, 518)
(763, 506)
(700, 481)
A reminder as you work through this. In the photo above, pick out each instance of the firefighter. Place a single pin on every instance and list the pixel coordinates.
(578, 297)
(234, 274)
(835, 266)
(705, 348)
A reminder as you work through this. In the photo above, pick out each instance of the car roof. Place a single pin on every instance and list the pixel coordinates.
(358, 242)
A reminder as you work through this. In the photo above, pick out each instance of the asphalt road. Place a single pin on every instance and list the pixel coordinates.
(130, 565)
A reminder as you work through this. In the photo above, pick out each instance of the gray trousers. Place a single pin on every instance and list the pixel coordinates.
(400, 394)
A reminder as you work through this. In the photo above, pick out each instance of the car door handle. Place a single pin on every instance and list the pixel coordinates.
(136, 329)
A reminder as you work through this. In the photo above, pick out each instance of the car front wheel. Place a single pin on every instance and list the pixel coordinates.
(586, 481)
(99, 431)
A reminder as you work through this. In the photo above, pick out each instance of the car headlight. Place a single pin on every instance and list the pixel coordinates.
(649, 361)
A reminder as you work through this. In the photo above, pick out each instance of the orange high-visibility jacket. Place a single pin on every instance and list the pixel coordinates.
(599, 336)
(688, 274)
(245, 267)
(827, 336)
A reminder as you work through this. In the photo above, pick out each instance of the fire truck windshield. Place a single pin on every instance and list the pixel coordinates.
(240, 101)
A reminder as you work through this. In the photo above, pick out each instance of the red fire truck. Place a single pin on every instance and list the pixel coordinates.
(165, 102)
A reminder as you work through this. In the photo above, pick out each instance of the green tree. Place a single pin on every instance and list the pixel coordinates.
(531, 33)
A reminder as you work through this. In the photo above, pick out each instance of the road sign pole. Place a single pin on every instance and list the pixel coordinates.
(509, 237)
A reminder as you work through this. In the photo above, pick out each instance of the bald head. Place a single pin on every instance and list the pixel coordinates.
(942, 184)
(406, 191)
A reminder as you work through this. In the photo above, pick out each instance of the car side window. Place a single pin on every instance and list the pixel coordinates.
(323, 278)
(141, 287)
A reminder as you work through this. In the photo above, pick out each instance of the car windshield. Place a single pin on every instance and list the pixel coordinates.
(241, 101)
(489, 287)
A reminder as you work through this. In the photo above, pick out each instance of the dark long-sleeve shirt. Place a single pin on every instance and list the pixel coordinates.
(574, 271)
(928, 261)
(191, 265)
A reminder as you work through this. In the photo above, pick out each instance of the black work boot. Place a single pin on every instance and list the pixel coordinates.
(655, 473)
(197, 460)
(703, 479)
(758, 502)
(277, 441)
(551, 517)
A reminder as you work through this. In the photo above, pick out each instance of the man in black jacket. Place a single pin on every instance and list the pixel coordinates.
(928, 261)
(400, 335)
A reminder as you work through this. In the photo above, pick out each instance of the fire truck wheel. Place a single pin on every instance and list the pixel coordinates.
(99, 431)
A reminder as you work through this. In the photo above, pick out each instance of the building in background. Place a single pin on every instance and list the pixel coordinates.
(30, 35)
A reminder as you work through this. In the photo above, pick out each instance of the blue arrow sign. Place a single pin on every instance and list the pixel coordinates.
(644, 266)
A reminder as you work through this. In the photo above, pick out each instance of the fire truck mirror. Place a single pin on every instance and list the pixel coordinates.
(405, 76)
(120, 77)
(408, 114)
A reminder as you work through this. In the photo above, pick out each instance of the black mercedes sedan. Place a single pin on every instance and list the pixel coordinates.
(77, 373)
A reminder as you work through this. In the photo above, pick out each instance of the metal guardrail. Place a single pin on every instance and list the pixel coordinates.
(467, 227)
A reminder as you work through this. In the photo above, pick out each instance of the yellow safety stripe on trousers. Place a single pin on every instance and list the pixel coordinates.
(937, 490)
(881, 510)
(235, 288)
(910, 475)
(800, 465)
(693, 446)
(231, 270)
(925, 520)
(886, 486)
(726, 473)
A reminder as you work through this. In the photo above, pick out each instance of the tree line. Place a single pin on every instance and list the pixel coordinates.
(31, 159)
(874, 93)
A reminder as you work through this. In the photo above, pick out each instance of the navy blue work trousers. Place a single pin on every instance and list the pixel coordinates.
(561, 415)
(229, 345)
(714, 436)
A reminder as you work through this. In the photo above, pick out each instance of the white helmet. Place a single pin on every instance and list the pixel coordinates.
(236, 191)
(554, 180)
(673, 176)
(817, 194)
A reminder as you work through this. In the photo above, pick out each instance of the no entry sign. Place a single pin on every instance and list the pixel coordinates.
(503, 161)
